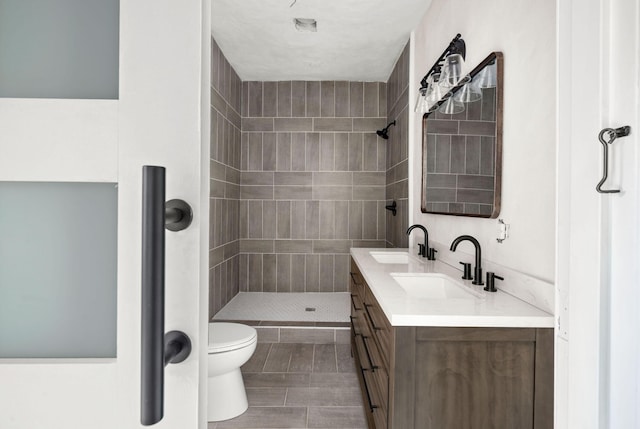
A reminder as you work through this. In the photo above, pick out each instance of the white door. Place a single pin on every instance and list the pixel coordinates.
(160, 118)
(598, 346)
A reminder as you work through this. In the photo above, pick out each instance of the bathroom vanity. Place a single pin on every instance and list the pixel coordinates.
(436, 353)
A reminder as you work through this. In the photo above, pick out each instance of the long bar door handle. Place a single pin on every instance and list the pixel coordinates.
(157, 349)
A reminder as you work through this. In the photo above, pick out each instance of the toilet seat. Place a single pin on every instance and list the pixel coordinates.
(224, 337)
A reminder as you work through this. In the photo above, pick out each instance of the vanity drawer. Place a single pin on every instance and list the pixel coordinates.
(365, 359)
(379, 325)
(357, 282)
(369, 361)
(356, 302)
(376, 403)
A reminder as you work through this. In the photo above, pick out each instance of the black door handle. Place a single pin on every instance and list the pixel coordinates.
(157, 349)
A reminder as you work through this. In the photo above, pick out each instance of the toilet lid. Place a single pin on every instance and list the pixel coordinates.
(230, 336)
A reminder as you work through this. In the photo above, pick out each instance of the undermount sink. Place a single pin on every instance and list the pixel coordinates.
(434, 286)
(391, 257)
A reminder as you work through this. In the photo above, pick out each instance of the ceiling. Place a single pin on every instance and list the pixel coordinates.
(357, 40)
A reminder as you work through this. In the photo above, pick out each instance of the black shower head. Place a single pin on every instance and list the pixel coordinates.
(384, 132)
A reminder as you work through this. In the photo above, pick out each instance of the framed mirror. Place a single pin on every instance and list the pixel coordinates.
(462, 146)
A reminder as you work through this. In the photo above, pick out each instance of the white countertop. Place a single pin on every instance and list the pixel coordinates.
(488, 309)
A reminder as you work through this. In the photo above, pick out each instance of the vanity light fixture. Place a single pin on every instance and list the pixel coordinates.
(448, 68)
(486, 78)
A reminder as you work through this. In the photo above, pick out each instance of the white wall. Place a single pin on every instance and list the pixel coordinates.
(525, 32)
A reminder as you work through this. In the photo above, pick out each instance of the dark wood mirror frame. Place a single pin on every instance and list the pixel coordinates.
(486, 201)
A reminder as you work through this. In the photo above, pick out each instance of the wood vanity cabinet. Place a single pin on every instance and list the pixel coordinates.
(447, 377)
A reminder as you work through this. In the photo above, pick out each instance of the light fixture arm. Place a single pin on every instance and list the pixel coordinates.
(456, 46)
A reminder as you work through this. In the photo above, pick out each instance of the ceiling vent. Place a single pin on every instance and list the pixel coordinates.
(306, 25)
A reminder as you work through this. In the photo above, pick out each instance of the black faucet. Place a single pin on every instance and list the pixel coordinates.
(477, 273)
(423, 249)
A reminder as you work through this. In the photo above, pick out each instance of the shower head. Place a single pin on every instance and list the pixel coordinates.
(384, 132)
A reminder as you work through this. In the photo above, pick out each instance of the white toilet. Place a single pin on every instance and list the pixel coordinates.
(230, 346)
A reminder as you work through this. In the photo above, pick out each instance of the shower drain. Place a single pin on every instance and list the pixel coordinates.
(310, 309)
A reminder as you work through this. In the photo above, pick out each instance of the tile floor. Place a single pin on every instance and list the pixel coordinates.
(293, 385)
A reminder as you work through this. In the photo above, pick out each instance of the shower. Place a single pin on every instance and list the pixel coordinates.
(383, 132)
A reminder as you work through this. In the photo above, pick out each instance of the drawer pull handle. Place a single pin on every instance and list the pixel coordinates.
(366, 349)
(353, 277)
(356, 333)
(366, 389)
(353, 302)
(373, 325)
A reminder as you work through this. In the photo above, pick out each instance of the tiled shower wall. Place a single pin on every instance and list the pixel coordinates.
(397, 169)
(225, 142)
(312, 182)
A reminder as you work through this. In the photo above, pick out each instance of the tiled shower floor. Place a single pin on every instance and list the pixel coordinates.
(292, 385)
(293, 307)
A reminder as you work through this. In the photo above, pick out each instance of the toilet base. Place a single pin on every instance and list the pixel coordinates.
(227, 396)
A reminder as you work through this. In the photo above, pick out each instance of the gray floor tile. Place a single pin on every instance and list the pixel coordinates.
(337, 417)
(324, 358)
(268, 417)
(344, 358)
(333, 380)
(253, 379)
(298, 396)
(279, 358)
(307, 336)
(266, 396)
(301, 358)
(324, 397)
(256, 363)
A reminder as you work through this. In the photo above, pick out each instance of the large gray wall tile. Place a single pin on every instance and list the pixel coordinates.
(283, 272)
(327, 151)
(297, 278)
(298, 151)
(293, 124)
(270, 99)
(284, 99)
(327, 99)
(312, 152)
(332, 179)
(313, 99)
(257, 124)
(341, 151)
(312, 273)
(332, 124)
(269, 273)
(370, 100)
(269, 151)
(298, 98)
(342, 98)
(326, 273)
(356, 99)
(283, 157)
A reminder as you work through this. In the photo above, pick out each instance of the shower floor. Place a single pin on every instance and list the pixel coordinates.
(290, 307)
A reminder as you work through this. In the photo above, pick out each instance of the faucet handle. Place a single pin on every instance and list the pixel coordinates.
(421, 250)
(431, 254)
(467, 270)
(491, 278)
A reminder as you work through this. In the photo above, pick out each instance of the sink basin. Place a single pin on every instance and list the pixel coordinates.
(433, 286)
(391, 257)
